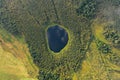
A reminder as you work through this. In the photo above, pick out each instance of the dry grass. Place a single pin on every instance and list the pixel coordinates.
(98, 66)
(15, 60)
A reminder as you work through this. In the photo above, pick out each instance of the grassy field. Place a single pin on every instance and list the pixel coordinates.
(15, 60)
(99, 66)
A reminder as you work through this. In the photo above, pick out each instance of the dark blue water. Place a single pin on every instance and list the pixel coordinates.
(57, 38)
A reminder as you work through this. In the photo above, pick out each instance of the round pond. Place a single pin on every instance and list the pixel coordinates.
(57, 38)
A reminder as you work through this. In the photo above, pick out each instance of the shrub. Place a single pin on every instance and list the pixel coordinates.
(87, 8)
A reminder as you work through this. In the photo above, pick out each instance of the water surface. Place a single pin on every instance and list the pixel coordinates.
(57, 38)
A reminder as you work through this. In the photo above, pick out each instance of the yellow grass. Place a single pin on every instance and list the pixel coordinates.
(75, 77)
(98, 29)
(15, 60)
(96, 65)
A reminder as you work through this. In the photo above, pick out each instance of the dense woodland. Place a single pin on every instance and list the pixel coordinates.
(30, 18)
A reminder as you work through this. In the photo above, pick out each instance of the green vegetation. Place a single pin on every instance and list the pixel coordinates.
(33, 28)
(15, 60)
(88, 8)
(115, 59)
(48, 76)
(102, 47)
(115, 2)
(8, 22)
(31, 18)
(111, 35)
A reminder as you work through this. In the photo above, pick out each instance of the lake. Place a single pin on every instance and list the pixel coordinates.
(57, 38)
